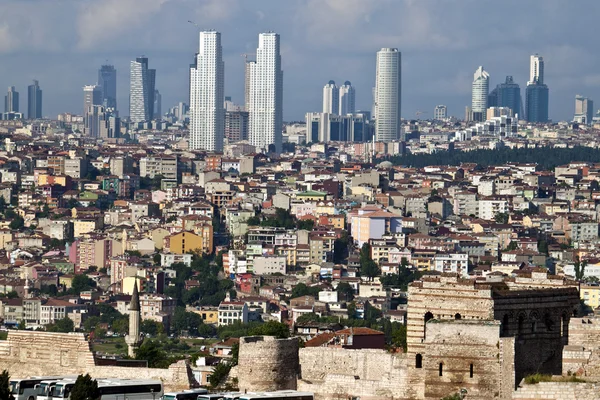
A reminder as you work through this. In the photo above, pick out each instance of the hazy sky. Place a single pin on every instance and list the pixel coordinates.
(63, 42)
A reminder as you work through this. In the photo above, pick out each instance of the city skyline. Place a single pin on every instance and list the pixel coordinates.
(73, 54)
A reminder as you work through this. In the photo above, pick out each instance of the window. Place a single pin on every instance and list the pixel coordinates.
(419, 361)
(441, 369)
(457, 316)
(471, 371)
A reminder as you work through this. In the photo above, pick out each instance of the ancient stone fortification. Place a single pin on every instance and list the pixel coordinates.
(333, 373)
(27, 353)
(582, 355)
(558, 391)
(266, 363)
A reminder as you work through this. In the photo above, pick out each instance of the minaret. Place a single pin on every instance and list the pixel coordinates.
(133, 340)
(26, 288)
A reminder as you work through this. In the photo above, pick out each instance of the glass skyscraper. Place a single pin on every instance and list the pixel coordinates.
(507, 94)
(107, 79)
(141, 91)
(34, 101)
(537, 93)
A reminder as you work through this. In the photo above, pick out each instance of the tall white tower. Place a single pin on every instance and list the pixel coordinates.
(207, 95)
(388, 91)
(536, 70)
(266, 94)
(133, 339)
(479, 94)
(347, 99)
(331, 96)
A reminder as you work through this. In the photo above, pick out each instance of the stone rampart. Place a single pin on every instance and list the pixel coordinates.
(333, 373)
(558, 391)
(26, 353)
(266, 363)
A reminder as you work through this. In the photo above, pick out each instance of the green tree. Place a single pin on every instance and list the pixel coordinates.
(64, 325)
(150, 327)
(501, 218)
(253, 221)
(340, 248)
(5, 393)
(351, 310)
(17, 223)
(185, 321)
(543, 246)
(399, 335)
(302, 290)
(22, 325)
(308, 317)
(156, 258)
(271, 328)
(370, 269)
(85, 388)
(120, 325)
(81, 283)
(12, 295)
(345, 291)
(152, 352)
(219, 374)
(2, 204)
(306, 224)
(512, 246)
(580, 269)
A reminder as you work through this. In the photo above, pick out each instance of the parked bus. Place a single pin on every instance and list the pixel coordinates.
(232, 396)
(216, 396)
(25, 389)
(278, 395)
(191, 394)
(116, 389)
(45, 388)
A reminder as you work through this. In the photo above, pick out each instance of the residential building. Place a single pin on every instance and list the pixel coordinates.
(331, 98)
(388, 95)
(456, 263)
(166, 166)
(141, 91)
(207, 95)
(479, 94)
(236, 126)
(265, 104)
(185, 242)
(231, 312)
(54, 310)
(158, 308)
(34, 101)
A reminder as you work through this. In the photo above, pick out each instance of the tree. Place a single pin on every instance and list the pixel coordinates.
(150, 327)
(543, 246)
(370, 269)
(302, 290)
(271, 328)
(512, 246)
(501, 218)
(81, 283)
(352, 310)
(17, 223)
(85, 388)
(64, 325)
(151, 351)
(2, 204)
(580, 269)
(308, 317)
(219, 374)
(156, 258)
(185, 321)
(22, 325)
(340, 248)
(253, 221)
(306, 224)
(5, 393)
(346, 291)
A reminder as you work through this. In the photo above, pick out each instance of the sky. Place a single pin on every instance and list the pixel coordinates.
(62, 43)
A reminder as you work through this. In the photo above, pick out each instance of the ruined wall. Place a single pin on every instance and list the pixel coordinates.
(469, 355)
(27, 353)
(266, 363)
(333, 373)
(558, 391)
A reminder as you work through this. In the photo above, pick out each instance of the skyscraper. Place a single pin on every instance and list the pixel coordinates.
(34, 101)
(92, 96)
(584, 110)
(266, 94)
(11, 101)
(479, 94)
(537, 93)
(141, 91)
(440, 112)
(331, 98)
(157, 105)
(248, 65)
(388, 92)
(347, 99)
(207, 95)
(507, 94)
(107, 79)
(536, 69)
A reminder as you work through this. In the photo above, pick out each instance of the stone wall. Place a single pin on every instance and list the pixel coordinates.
(333, 373)
(266, 363)
(558, 391)
(27, 353)
(466, 354)
(582, 355)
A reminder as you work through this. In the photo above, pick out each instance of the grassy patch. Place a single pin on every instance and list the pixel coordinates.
(537, 378)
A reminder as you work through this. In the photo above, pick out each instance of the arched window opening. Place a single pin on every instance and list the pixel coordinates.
(457, 316)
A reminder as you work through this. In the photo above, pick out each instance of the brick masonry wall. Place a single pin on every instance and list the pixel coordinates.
(558, 391)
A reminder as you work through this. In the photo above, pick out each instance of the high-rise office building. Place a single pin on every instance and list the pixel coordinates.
(388, 91)
(584, 110)
(207, 95)
(331, 98)
(265, 104)
(157, 105)
(536, 69)
(537, 93)
(440, 112)
(248, 65)
(92, 96)
(34, 101)
(141, 91)
(479, 94)
(507, 94)
(347, 99)
(326, 127)
(11, 101)
(107, 79)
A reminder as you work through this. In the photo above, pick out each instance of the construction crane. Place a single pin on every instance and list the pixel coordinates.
(193, 23)
(419, 113)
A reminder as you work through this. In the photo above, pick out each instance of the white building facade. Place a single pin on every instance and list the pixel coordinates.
(388, 95)
(479, 94)
(347, 103)
(266, 94)
(331, 97)
(207, 95)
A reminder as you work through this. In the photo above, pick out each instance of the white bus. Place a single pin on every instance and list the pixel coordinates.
(215, 396)
(278, 395)
(25, 389)
(191, 394)
(116, 389)
(45, 388)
